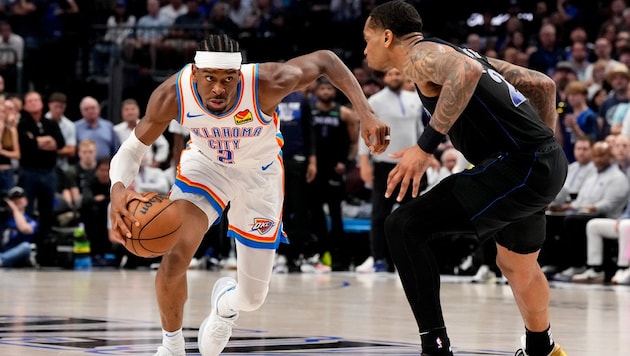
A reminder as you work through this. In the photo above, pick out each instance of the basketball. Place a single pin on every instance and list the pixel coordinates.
(159, 224)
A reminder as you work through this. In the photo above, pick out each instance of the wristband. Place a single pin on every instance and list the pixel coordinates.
(430, 139)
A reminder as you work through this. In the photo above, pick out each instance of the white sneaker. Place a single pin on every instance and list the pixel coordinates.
(367, 266)
(567, 274)
(215, 331)
(622, 277)
(163, 351)
(483, 275)
(589, 276)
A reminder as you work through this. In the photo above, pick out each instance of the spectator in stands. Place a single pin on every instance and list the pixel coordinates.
(602, 52)
(150, 30)
(405, 121)
(151, 179)
(598, 80)
(14, 108)
(548, 53)
(581, 121)
(602, 195)
(181, 40)
(9, 150)
(81, 172)
(579, 170)
(18, 231)
(92, 126)
(11, 55)
(56, 111)
(596, 231)
(220, 22)
(618, 77)
(621, 153)
(94, 212)
(172, 10)
(39, 141)
(130, 113)
(120, 26)
(579, 59)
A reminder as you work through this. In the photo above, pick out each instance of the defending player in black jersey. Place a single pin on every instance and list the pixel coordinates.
(501, 117)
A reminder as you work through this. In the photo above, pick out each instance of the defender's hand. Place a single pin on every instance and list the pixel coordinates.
(120, 197)
(410, 169)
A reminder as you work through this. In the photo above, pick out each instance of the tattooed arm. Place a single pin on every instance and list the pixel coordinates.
(536, 86)
(452, 75)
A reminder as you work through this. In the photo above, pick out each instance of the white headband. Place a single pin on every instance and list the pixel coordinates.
(219, 60)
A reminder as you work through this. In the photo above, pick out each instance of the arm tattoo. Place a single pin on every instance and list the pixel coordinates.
(536, 86)
(456, 74)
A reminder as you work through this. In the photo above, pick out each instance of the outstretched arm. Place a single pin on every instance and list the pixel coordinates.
(536, 86)
(279, 79)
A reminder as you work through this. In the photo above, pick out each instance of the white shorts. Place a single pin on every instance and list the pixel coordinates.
(255, 195)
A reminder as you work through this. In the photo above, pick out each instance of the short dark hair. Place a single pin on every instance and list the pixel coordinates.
(58, 97)
(397, 16)
(219, 43)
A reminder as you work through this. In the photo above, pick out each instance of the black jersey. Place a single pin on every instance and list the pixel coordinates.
(331, 137)
(497, 119)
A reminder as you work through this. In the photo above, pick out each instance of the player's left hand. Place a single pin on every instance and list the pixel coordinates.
(410, 169)
(372, 127)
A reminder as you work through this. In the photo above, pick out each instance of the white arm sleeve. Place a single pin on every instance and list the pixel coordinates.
(126, 162)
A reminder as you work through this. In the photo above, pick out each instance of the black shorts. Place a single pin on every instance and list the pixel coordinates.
(504, 197)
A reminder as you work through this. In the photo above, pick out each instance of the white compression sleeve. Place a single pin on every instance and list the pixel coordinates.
(126, 162)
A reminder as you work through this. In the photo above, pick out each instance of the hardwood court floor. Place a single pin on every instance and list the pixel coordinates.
(114, 313)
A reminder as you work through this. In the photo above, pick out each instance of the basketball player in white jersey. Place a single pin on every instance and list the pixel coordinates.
(233, 156)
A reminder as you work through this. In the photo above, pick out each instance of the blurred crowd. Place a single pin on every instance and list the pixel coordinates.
(60, 127)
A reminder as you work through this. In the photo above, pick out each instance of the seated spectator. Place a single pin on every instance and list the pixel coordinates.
(151, 179)
(130, 113)
(18, 231)
(181, 41)
(150, 30)
(596, 231)
(579, 170)
(93, 126)
(120, 26)
(602, 195)
(11, 56)
(621, 153)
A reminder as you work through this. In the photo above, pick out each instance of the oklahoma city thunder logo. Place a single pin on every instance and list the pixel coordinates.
(262, 225)
(243, 117)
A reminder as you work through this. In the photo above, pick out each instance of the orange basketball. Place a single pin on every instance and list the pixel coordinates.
(159, 224)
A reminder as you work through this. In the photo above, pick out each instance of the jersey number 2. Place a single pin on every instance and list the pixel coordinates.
(225, 156)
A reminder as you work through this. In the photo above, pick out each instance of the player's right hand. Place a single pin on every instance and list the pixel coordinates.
(408, 171)
(120, 198)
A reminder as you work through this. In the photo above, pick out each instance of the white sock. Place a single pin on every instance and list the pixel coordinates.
(174, 341)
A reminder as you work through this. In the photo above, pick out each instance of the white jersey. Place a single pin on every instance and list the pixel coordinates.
(242, 136)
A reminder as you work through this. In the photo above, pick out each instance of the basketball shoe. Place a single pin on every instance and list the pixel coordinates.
(163, 351)
(557, 350)
(215, 331)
